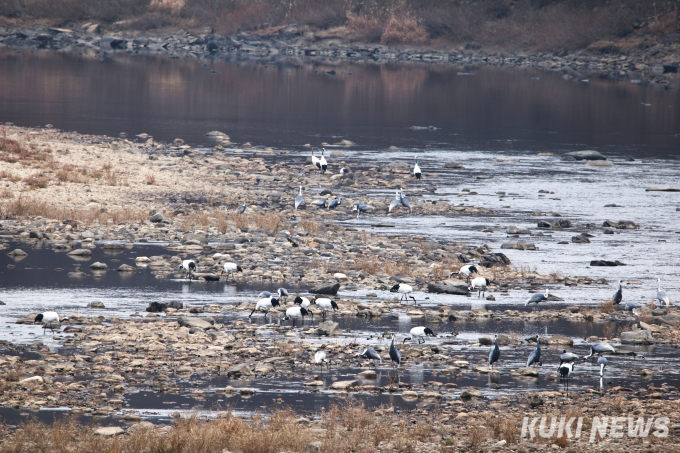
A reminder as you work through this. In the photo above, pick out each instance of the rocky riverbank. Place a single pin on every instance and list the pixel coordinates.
(646, 61)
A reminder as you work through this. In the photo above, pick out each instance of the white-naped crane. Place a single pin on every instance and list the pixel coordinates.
(231, 268)
(299, 200)
(319, 202)
(297, 312)
(334, 203)
(241, 209)
(48, 318)
(302, 301)
(265, 305)
(568, 357)
(466, 270)
(536, 298)
(599, 349)
(618, 295)
(320, 359)
(416, 169)
(325, 304)
(602, 362)
(283, 293)
(420, 333)
(661, 296)
(405, 291)
(360, 208)
(480, 284)
(395, 355)
(394, 203)
(370, 354)
(189, 267)
(495, 353)
(404, 202)
(316, 161)
(322, 162)
(535, 356)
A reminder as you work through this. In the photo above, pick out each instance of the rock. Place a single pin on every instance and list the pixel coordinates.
(109, 431)
(519, 245)
(409, 394)
(606, 263)
(99, 266)
(113, 247)
(514, 229)
(337, 153)
(599, 163)
(138, 427)
(158, 217)
(470, 393)
(544, 224)
(580, 239)
(453, 164)
(368, 374)
(326, 289)
(126, 268)
(503, 340)
(34, 380)
(94, 28)
(621, 225)
(80, 252)
(201, 238)
(495, 259)
(637, 337)
(242, 369)
(584, 155)
(662, 189)
(441, 288)
(557, 339)
(156, 307)
(526, 371)
(247, 391)
(313, 447)
(76, 274)
(191, 321)
(96, 304)
(344, 385)
(328, 328)
(17, 252)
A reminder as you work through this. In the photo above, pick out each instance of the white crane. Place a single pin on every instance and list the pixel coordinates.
(320, 359)
(48, 318)
(404, 290)
(297, 312)
(265, 305)
(230, 268)
(302, 301)
(325, 304)
(322, 162)
(189, 267)
(316, 161)
(661, 295)
(466, 270)
(480, 284)
(420, 333)
(416, 169)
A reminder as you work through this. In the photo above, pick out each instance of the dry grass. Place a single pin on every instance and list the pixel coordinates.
(310, 224)
(36, 181)
(503, 428)
(607, 306)
(403, 30)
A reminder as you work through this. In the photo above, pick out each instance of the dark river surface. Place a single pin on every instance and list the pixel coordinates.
(293, 103)
(482, 115)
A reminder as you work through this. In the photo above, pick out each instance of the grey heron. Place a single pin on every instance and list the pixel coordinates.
(394, 203)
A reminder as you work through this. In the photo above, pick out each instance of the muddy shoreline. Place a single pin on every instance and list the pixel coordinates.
(650, 63)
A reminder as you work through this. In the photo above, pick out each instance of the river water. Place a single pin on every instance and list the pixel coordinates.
(494, 121)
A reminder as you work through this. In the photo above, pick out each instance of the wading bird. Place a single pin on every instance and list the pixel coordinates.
(316, 161)
(297, 312)
(325, 304)
(48, 318)
(661, 295)
(189, 267)
(536, 298)
(404, 290)
(618, 295)
(320, 359)
(567, 357)
(241, 209)
(265, 305)
(230, 268)
(404, 202)
(599, 349)
(420, 333)
(480, 284)
(535, 357)
(370, 354)
(394, 203)
(466, 270)
(322, 162)
(395, 356)
(299, 200)
(320, 203)
(360, 208)
(416, 169)
(334, 204)
(302, 301)
(565, 369)
(283, 293)
(495, 353)
(602, 361)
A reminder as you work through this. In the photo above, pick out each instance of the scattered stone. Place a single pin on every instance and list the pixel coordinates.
(126, 268)
(331, 289)
(637, 337)
(80, 252)
(109, 431)
(328, 328)
(584, 155)
(344, 385)
(99, 266)
(96, 304)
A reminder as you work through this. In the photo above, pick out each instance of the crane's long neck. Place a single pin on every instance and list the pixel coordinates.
(601, 369)
(300, 190)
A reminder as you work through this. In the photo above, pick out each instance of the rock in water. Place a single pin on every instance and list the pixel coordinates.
(583, 155)
(326, 289)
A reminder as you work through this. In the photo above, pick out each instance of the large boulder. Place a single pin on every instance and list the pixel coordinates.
(242, 369)
(190, 321)
(344, 385)
(442, 288)
(637, 337)
(495, 259)
(80, 252)
(328, 328)
(202, 238)
(326, 289)
(583, 155)
(156, 307)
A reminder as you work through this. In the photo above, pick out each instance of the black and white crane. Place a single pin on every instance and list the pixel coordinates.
(480, 284)
(325, 304)
(189, 267)
(299, 200)
(495, 353)
(661, 295)
(565, 369)
(420, 333)
(48, 318)
(316, 161)
(241, 209)
(283, 293)
(467, 271)
(618, 295)
(370, 354)
(230, 268)
(322, 162)
(395, 355)
(404, 290)
(265, 305)
(535, 356)
(297, 312)
(416, 169)
(302, 301)
(320, 359)
(568, 357)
